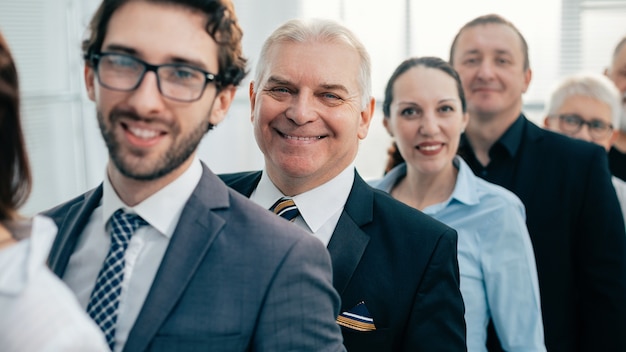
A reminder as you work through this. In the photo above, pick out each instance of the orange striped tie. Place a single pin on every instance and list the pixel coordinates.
(286, 208)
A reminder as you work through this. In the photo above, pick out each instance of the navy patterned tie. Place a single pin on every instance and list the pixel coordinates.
(105, 297)
(286, 208)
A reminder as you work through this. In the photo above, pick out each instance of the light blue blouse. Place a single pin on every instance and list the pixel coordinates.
(496, 259)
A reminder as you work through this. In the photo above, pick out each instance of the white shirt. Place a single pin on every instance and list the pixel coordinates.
(620, 190)
(38, 312)
(320, 208)
(145, 251)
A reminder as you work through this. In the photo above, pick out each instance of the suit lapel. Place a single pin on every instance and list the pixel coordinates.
(194, 234)
(74, 222)
(349, 241)
(244, 182)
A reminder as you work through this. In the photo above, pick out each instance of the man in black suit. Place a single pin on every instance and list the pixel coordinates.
(394, 267)
(573, 215)
(206, 269)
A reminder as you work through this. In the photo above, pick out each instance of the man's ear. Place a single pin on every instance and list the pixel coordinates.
(614, 136)
(546, 122)
(252, 95)
(528, 75)
(90, 83)
(366, 118)
(222, 103)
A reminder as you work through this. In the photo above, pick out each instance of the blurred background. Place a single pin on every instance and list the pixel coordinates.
(67, 153)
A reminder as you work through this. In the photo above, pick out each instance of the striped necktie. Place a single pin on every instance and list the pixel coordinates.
(286, 208)
(105, 297)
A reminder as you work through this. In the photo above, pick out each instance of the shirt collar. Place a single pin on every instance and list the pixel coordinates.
(332, 194)
(465, 189)
(510, 139)
(162, 209)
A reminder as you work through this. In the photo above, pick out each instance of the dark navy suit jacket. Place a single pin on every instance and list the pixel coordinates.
(400, 262)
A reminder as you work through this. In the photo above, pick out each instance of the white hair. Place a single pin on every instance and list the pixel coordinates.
(590, 85)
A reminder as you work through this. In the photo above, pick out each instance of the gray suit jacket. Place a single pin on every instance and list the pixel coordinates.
(235, 277)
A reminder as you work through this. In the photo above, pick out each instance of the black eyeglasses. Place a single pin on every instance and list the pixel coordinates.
(573, 123)
(179, 82)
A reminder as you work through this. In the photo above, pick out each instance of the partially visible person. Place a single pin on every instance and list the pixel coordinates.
(572, 212)
(424, 111)
(588, 107)
(617, 73)
(162, 254)
(395, 268)
(38, 312)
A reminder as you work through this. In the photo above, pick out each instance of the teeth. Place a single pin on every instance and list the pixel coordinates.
(143, 133)
(303, 138)
(430, 147)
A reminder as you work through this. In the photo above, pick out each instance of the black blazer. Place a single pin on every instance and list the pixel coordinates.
(230, 273)
(577, 230)
(400, 262)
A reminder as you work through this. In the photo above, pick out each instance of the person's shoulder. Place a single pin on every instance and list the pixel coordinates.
(566, 144)
(491, 193)
(263, 226)
(58, 212)
(567, 154)
(229, 178)
(405, 218)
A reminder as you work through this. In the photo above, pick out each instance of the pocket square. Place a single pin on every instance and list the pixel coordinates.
(358, 318)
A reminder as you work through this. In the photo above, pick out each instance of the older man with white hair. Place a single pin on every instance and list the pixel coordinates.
(587, 107)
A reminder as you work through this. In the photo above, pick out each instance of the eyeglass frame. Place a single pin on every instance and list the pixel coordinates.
(582, 122)
(94, 59)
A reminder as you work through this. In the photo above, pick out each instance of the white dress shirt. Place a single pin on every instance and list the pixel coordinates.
(37, 311)
(145, 251)
(620, 190)
(320, 208)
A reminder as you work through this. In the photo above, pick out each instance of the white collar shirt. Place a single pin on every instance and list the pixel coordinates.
(320, 208)
(146, 249)
(39, 313)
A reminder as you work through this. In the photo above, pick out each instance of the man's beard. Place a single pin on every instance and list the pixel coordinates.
(178, 153)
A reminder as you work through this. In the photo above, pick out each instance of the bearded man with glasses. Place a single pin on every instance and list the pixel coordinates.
(191, 264)
(588, 107)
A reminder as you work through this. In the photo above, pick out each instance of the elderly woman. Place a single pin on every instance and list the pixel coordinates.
(424, 112)
(588, 106)
(38, 312)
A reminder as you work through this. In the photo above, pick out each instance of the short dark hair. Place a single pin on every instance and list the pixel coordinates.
(15, 175)
(426, 61)
(221, 25)
(492, 19)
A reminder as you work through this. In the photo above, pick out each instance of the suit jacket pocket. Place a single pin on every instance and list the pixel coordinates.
(216, 343)
(378, 340)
